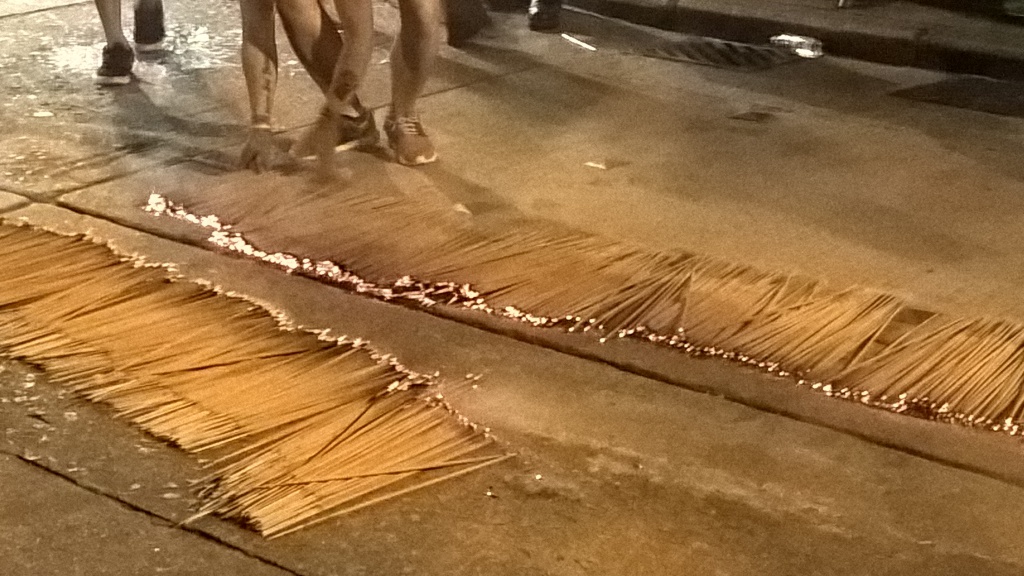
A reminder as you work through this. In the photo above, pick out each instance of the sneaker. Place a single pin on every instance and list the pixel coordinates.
(357, 133)
(406, 137)
(149, 25)
(116, 69)
(352, 133)
(544, 14)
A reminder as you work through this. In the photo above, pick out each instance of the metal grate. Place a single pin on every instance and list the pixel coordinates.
(720, 53)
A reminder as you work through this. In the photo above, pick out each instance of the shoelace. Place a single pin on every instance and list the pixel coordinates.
(408, 125)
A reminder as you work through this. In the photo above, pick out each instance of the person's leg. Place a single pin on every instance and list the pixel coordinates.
(118, 57)
(259, 58)
(354, 58)
(110, 17)
(412, 61)
(314, 38)
(357, 21)
(414, 53)
(149, 25)
(259, 65)
(319, 46)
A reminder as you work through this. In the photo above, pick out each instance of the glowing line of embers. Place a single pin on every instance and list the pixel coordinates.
(428, 294)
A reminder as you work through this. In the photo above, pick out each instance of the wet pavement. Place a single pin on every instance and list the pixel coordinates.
(808, 166)
(841, 180)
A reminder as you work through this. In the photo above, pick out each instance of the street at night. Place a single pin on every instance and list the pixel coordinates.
(671, 443)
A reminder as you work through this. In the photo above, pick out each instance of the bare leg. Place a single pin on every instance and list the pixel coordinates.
(259, 58)
(259, 64)
(414, 53)
(348, 71)
(317, 43)
(110, 17)
(313, 37)
(412, 61)
(357, 22)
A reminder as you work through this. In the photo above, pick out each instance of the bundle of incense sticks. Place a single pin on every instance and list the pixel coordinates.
(851, 343)
(302, 428)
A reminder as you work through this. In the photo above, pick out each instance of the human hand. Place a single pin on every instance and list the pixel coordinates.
(320, 139)
(261, 152)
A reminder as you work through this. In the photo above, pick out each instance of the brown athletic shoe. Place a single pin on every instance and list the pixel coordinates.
(410, 143)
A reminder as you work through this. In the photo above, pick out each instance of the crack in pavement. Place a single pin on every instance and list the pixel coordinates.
(161, 520)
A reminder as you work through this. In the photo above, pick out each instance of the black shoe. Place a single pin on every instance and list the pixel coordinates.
(359, 133)
(345, 132)
(149, 25)
(544, 14)
(464, 20)
(116, 69)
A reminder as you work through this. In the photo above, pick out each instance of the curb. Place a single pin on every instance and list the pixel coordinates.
(938, 46)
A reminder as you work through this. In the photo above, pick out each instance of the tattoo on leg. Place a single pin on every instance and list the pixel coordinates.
(268, 89)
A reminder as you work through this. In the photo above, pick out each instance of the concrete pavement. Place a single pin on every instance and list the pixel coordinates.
(88, 534)
(833, 177)
(616, 474)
